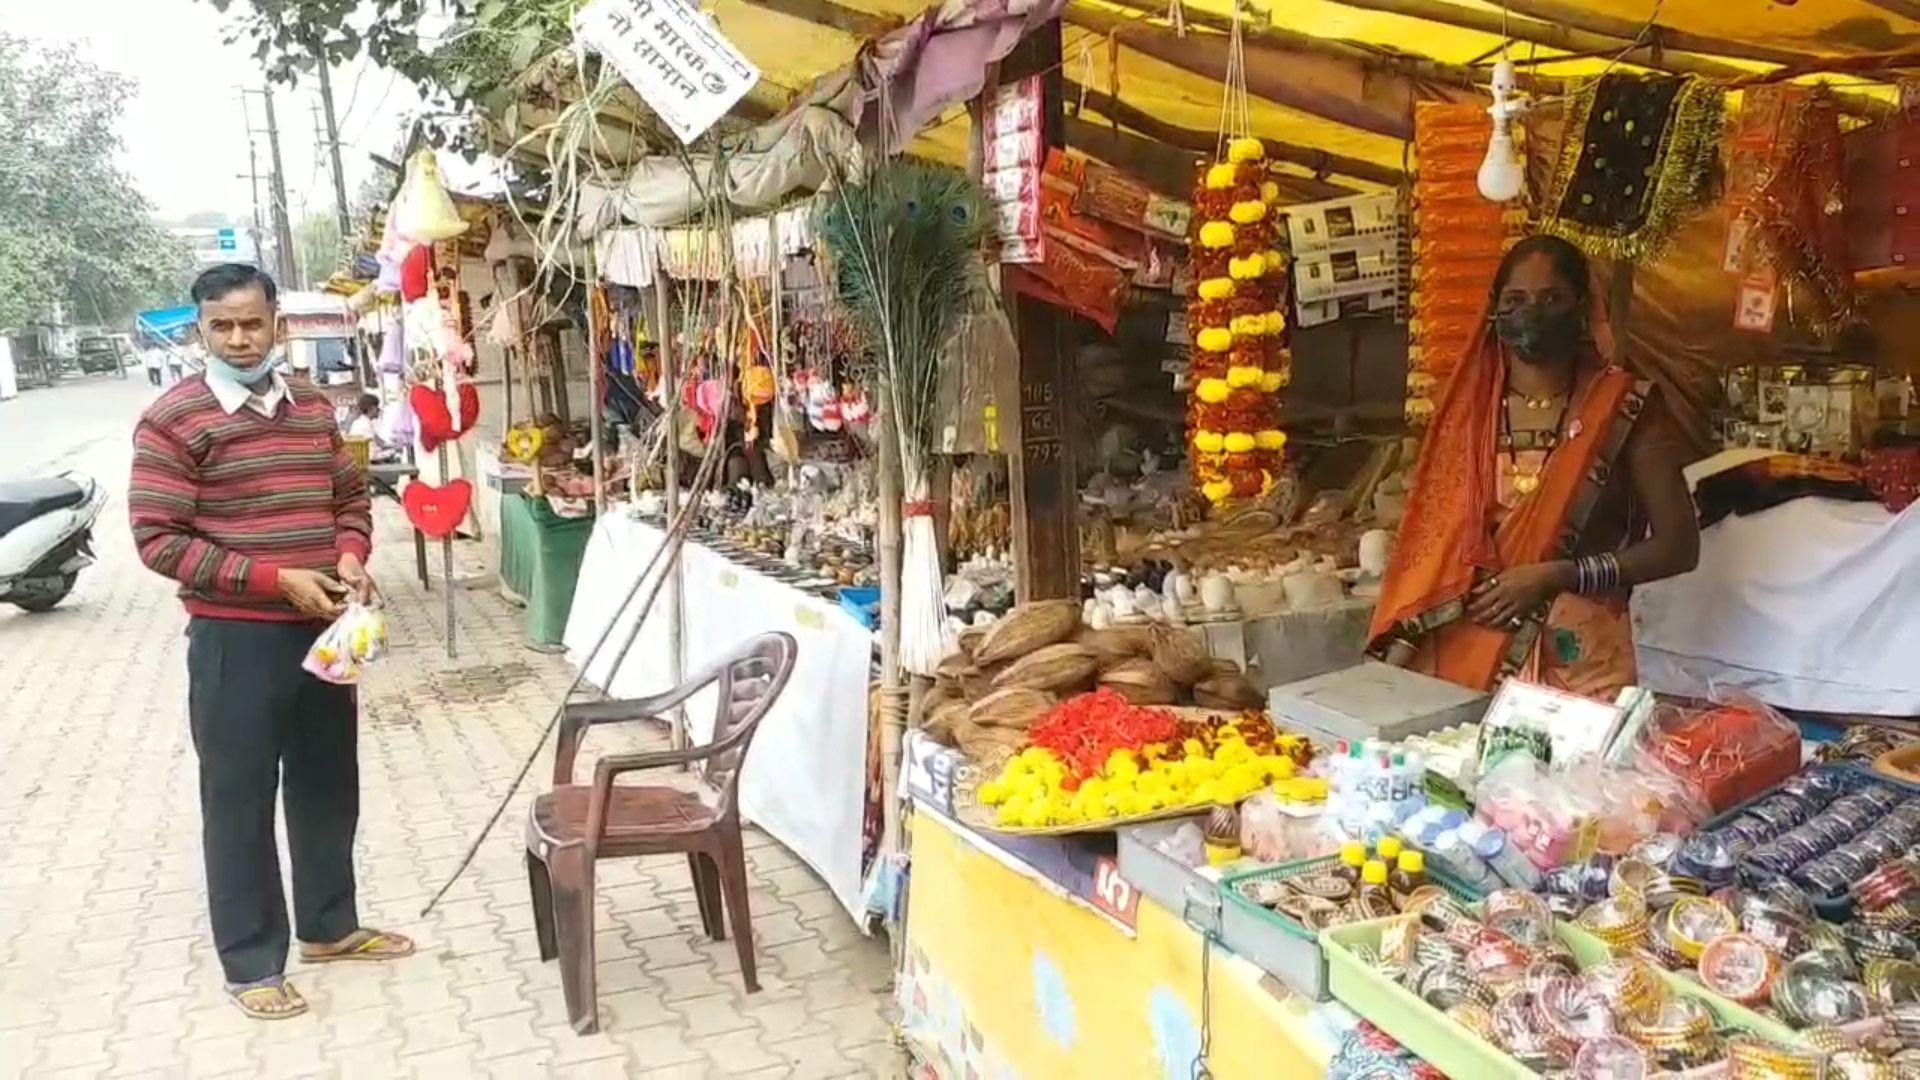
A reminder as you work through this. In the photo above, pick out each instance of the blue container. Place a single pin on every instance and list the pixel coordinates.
(863, 603)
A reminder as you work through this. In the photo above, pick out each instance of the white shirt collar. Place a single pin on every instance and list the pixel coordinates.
(233, 397)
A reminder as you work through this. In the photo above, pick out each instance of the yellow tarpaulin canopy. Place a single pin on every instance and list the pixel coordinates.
(1362, 61)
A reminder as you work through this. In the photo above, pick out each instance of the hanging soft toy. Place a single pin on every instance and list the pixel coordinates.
(438, 421)
(854, 408)
(416, 274)
(758, 384)
(393, 348)
(426, 213)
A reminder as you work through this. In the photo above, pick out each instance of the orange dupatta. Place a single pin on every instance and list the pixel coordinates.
(1444, 545)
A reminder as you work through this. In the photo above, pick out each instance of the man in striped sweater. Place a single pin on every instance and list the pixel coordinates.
(243, 493)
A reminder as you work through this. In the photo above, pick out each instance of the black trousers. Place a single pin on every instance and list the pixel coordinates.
(261, 722)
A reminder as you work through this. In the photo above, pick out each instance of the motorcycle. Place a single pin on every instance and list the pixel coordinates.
(46, 538)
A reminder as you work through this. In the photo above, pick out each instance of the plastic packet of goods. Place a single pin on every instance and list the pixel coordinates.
(358, 637)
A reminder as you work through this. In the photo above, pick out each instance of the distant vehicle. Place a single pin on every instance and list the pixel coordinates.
(103, 354)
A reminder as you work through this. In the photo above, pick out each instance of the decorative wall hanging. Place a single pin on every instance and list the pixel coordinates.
(1459, 238)
(1638, 153)
(437, 511)
(1787, 203)
(1883, 186)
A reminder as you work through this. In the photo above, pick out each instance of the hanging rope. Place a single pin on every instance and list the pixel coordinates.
(1236, 113)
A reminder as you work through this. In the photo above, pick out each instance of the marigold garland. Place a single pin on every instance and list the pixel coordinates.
(1236, 367)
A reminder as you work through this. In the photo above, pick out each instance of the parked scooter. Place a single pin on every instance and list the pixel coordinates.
(46, 538)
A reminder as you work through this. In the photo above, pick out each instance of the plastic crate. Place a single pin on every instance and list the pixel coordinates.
(1834, 909)
(1453, 1048)
(863, 603)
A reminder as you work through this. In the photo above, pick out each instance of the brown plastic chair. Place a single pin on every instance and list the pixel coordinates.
(575, 825)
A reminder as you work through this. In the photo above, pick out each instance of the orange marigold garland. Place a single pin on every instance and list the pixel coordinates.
(1236, 368)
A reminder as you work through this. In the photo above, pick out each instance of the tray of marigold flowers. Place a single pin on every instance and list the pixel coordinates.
(1096, 762)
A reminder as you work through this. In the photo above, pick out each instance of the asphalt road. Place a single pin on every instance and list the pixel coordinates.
(69, 425)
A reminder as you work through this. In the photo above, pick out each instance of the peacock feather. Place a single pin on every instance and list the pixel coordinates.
(905, 247)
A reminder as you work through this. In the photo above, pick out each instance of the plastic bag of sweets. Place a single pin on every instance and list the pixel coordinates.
(358, 637)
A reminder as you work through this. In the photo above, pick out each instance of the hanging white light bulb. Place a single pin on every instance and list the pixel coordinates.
(1502, 174)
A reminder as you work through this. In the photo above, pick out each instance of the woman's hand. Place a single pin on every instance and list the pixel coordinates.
(1513, 594)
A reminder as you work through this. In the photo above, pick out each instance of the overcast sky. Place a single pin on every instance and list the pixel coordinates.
(185, 130)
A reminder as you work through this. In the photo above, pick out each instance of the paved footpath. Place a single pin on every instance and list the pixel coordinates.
(106, 966)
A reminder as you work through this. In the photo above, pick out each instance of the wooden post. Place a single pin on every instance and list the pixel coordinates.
(596, 392)
(1041, 467)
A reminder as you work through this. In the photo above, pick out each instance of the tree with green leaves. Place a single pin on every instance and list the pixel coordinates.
(74, 228)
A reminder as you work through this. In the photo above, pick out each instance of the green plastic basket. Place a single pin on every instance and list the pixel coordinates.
(1453, 1048)
(1230, 888)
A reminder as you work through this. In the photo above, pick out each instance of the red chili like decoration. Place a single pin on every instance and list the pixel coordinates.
(1084, 731)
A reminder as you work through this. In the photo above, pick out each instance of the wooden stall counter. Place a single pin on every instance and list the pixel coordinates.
(1011, 975)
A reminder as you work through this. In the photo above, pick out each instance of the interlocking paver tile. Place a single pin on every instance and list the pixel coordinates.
(106, 965)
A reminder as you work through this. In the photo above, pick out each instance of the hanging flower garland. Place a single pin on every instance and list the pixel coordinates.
(1236, 369)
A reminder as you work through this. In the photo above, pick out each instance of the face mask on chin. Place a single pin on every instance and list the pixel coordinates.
(1540, 334)
(249, 377)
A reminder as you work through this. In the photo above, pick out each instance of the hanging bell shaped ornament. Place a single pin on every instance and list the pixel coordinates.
(426, 213)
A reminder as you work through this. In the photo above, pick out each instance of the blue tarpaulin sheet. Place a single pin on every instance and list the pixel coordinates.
(166, 322)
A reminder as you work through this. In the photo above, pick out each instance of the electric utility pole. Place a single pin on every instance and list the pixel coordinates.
(282, 228)
(253, 178)
(333, 149)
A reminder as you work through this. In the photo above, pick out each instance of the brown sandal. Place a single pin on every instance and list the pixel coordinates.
(361, 945)
(269, 999)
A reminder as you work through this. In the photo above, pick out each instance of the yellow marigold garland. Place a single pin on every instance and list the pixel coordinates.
(1236, 368)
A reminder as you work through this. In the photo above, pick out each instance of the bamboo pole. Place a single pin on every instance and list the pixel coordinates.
(893, 691)
(596, 392)
(664, 342)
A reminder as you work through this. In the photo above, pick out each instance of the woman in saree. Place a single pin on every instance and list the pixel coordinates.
(1547, 487)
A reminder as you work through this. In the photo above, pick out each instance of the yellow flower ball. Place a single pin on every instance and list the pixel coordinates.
(993, 792)
(1209, 442)
(1239, 442)
(1217, 491)
(1276, 262)
(1270, 439)
(1270, 192)
(1242, 375)
(1246, 268)
(1216, 234)
(1266, 482)
(1221, 177)
(1419, 409)
(1249, 325)
(1214, 339)
(1276, 321)
(1272, 381)
(1248, 212)
(1212, 391)
(1246, 149)
(1218, 288)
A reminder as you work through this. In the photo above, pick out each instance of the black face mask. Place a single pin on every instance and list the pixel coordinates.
(1537, 332)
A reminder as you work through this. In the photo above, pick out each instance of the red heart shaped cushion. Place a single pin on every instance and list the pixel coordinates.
(437, 511)
(416, 273)
(435, 421)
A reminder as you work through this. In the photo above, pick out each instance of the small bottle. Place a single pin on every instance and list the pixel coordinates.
(1389, 849)
(1409, 873)
(1223, 836)
(1353, 855)
(1373, 879)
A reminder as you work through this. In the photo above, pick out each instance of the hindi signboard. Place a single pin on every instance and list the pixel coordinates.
(672, 56)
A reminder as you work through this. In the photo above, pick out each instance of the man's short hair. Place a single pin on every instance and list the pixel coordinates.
(219, 282)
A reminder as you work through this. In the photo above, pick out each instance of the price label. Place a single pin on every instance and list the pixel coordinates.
(808, 617)
(1112, 893)
(729, 579)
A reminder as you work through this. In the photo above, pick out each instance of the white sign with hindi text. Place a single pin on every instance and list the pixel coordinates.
(673, 57)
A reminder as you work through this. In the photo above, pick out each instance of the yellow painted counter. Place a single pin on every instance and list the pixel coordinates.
(1008, 976)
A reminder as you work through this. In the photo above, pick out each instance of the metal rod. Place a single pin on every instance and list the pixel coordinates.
(446, 557)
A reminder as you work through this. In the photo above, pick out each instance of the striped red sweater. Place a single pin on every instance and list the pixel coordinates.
(221, 502)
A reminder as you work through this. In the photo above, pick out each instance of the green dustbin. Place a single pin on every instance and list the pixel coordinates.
(540, 556)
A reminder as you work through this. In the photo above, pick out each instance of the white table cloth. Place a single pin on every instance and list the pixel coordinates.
(805, 778)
